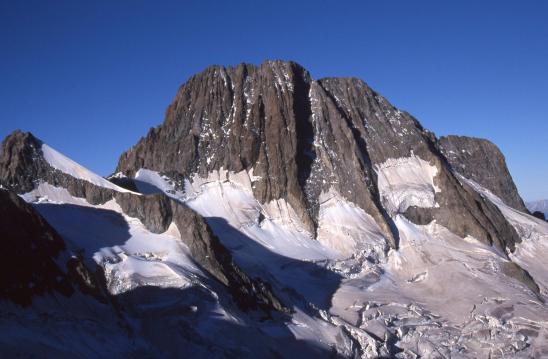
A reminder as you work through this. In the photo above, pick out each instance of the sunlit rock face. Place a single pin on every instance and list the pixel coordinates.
(302, 137)
(481, 161)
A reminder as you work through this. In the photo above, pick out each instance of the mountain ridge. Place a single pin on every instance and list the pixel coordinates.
(347, 118)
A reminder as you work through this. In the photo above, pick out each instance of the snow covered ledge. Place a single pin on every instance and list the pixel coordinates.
(66, 165)
(405, 182)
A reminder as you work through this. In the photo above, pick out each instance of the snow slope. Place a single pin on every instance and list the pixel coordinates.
(343, 229)
(64, 164)
(269, 241)
(406, 182)
(348, 229)
(439, 295)
(168, 299)
(130, 255)
(279, 231)
(532, 251)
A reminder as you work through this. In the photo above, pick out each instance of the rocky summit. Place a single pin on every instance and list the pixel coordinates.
(272, 215)
(302, 138)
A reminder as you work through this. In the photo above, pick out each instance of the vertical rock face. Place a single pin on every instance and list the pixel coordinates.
(481, 161)
(301, 138)
(237, 118)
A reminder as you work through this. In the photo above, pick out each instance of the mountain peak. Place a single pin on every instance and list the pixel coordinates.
(302, 139)
(25, 161)
(17, 159)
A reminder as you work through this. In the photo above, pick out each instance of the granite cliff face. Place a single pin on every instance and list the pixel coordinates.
(481, 161)
(300, 138)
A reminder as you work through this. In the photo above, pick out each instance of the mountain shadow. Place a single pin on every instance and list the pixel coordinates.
(303, 284)
(86, 228)
(188, 322)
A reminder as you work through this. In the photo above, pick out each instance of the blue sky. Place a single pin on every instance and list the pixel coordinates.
(90, 78)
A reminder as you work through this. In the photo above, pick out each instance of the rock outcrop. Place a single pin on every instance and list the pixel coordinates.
(539, 215)
(481, 161)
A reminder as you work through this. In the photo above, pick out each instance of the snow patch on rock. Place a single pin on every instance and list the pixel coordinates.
(406, 182)
(347, 228)
(150, 182)
(46, 193)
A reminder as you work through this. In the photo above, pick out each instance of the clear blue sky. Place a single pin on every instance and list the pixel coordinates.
(90, 78)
